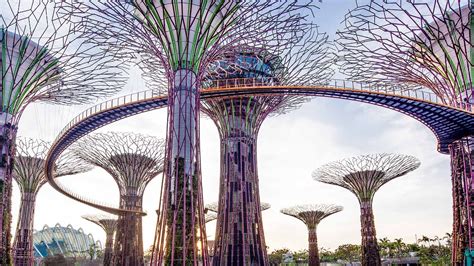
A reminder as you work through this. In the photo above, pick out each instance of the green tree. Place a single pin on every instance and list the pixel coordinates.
(348, 252)
(276, 257)
(300, 256)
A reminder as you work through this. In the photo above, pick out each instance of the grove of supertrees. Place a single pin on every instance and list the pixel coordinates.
(182, 39)
(363, 176)
(43, 60)
(109, 224)
(28, 172)
(238, 119)
(312, 215)
(426, 44)
(133, 160)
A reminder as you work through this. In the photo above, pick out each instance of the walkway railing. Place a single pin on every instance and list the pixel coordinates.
(417, 94)
(257, 82)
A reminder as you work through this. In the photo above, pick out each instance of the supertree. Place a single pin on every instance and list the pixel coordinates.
(363, 176)
(311, 215)
(183, 38)
(43, 60)
(28, 172)
(239, 231)
(214, 207)
(109, 224)
(426, 44)
(133, 160)
(210, 216)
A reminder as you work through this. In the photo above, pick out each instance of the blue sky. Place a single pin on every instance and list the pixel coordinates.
(290, 147)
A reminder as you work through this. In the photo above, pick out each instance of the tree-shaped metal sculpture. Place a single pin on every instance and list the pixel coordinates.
(311, 215)
(109, 224)
(183, 37)
(426, 44)
(28, 172)
(363, 176)
(239, 119)
(210, 216)
(133, 160)
(43, 60)
(214, 206)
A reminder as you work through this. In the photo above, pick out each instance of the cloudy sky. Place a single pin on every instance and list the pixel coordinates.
(290, 147)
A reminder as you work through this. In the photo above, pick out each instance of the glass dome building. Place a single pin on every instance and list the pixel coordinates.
(66, 241)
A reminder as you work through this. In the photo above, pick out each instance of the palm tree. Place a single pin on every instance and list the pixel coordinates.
(384, 245)
(399, 246)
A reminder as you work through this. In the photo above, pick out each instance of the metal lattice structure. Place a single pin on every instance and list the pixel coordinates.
(210, 216)
(133, 160)
(425, 45)
(28, 172)
(239, 231)
(65, 241)
(363, 176)
(43, 59)
(184, 38)
(109, 224)
(311, 215)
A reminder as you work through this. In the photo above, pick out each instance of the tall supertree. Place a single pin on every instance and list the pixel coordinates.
(183, 38)
(312, 215)
(28, 172)
(363, 176)
(43, 60)
(239, 231)
(426, 44)
(133, 160)
(109, 224)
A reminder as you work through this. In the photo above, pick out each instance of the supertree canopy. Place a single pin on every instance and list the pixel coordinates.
(238, 120)
(28, 172)
(411, 43)
(109, 224)
(311, 215)
(363, 176)
(133, 160)
(426, 44)
(185, 37)
(43, 59)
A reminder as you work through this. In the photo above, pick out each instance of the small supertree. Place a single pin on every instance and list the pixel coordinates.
(28, 172)
(425, 44)
(311, 215)
(214, 206)
(184, 37)
(210, 216)
(43, 59)
(363, 176)
(109, 224)
(133, 160)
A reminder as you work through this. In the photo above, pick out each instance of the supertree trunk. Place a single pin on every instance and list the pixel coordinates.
(183, 218)
(370, 248)
(109, 249)
(128, 249)
(313, 252)
(461, 181)
(23, 244)
(239, 233)
(7, 142)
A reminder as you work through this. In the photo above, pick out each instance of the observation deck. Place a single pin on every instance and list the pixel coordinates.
(448, 123)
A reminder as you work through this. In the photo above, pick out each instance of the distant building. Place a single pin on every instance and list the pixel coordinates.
(65, 241)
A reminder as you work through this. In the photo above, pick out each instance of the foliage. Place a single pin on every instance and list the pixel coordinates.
(301, 255)
(431, 251)
(276, 257)
(348, 252)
